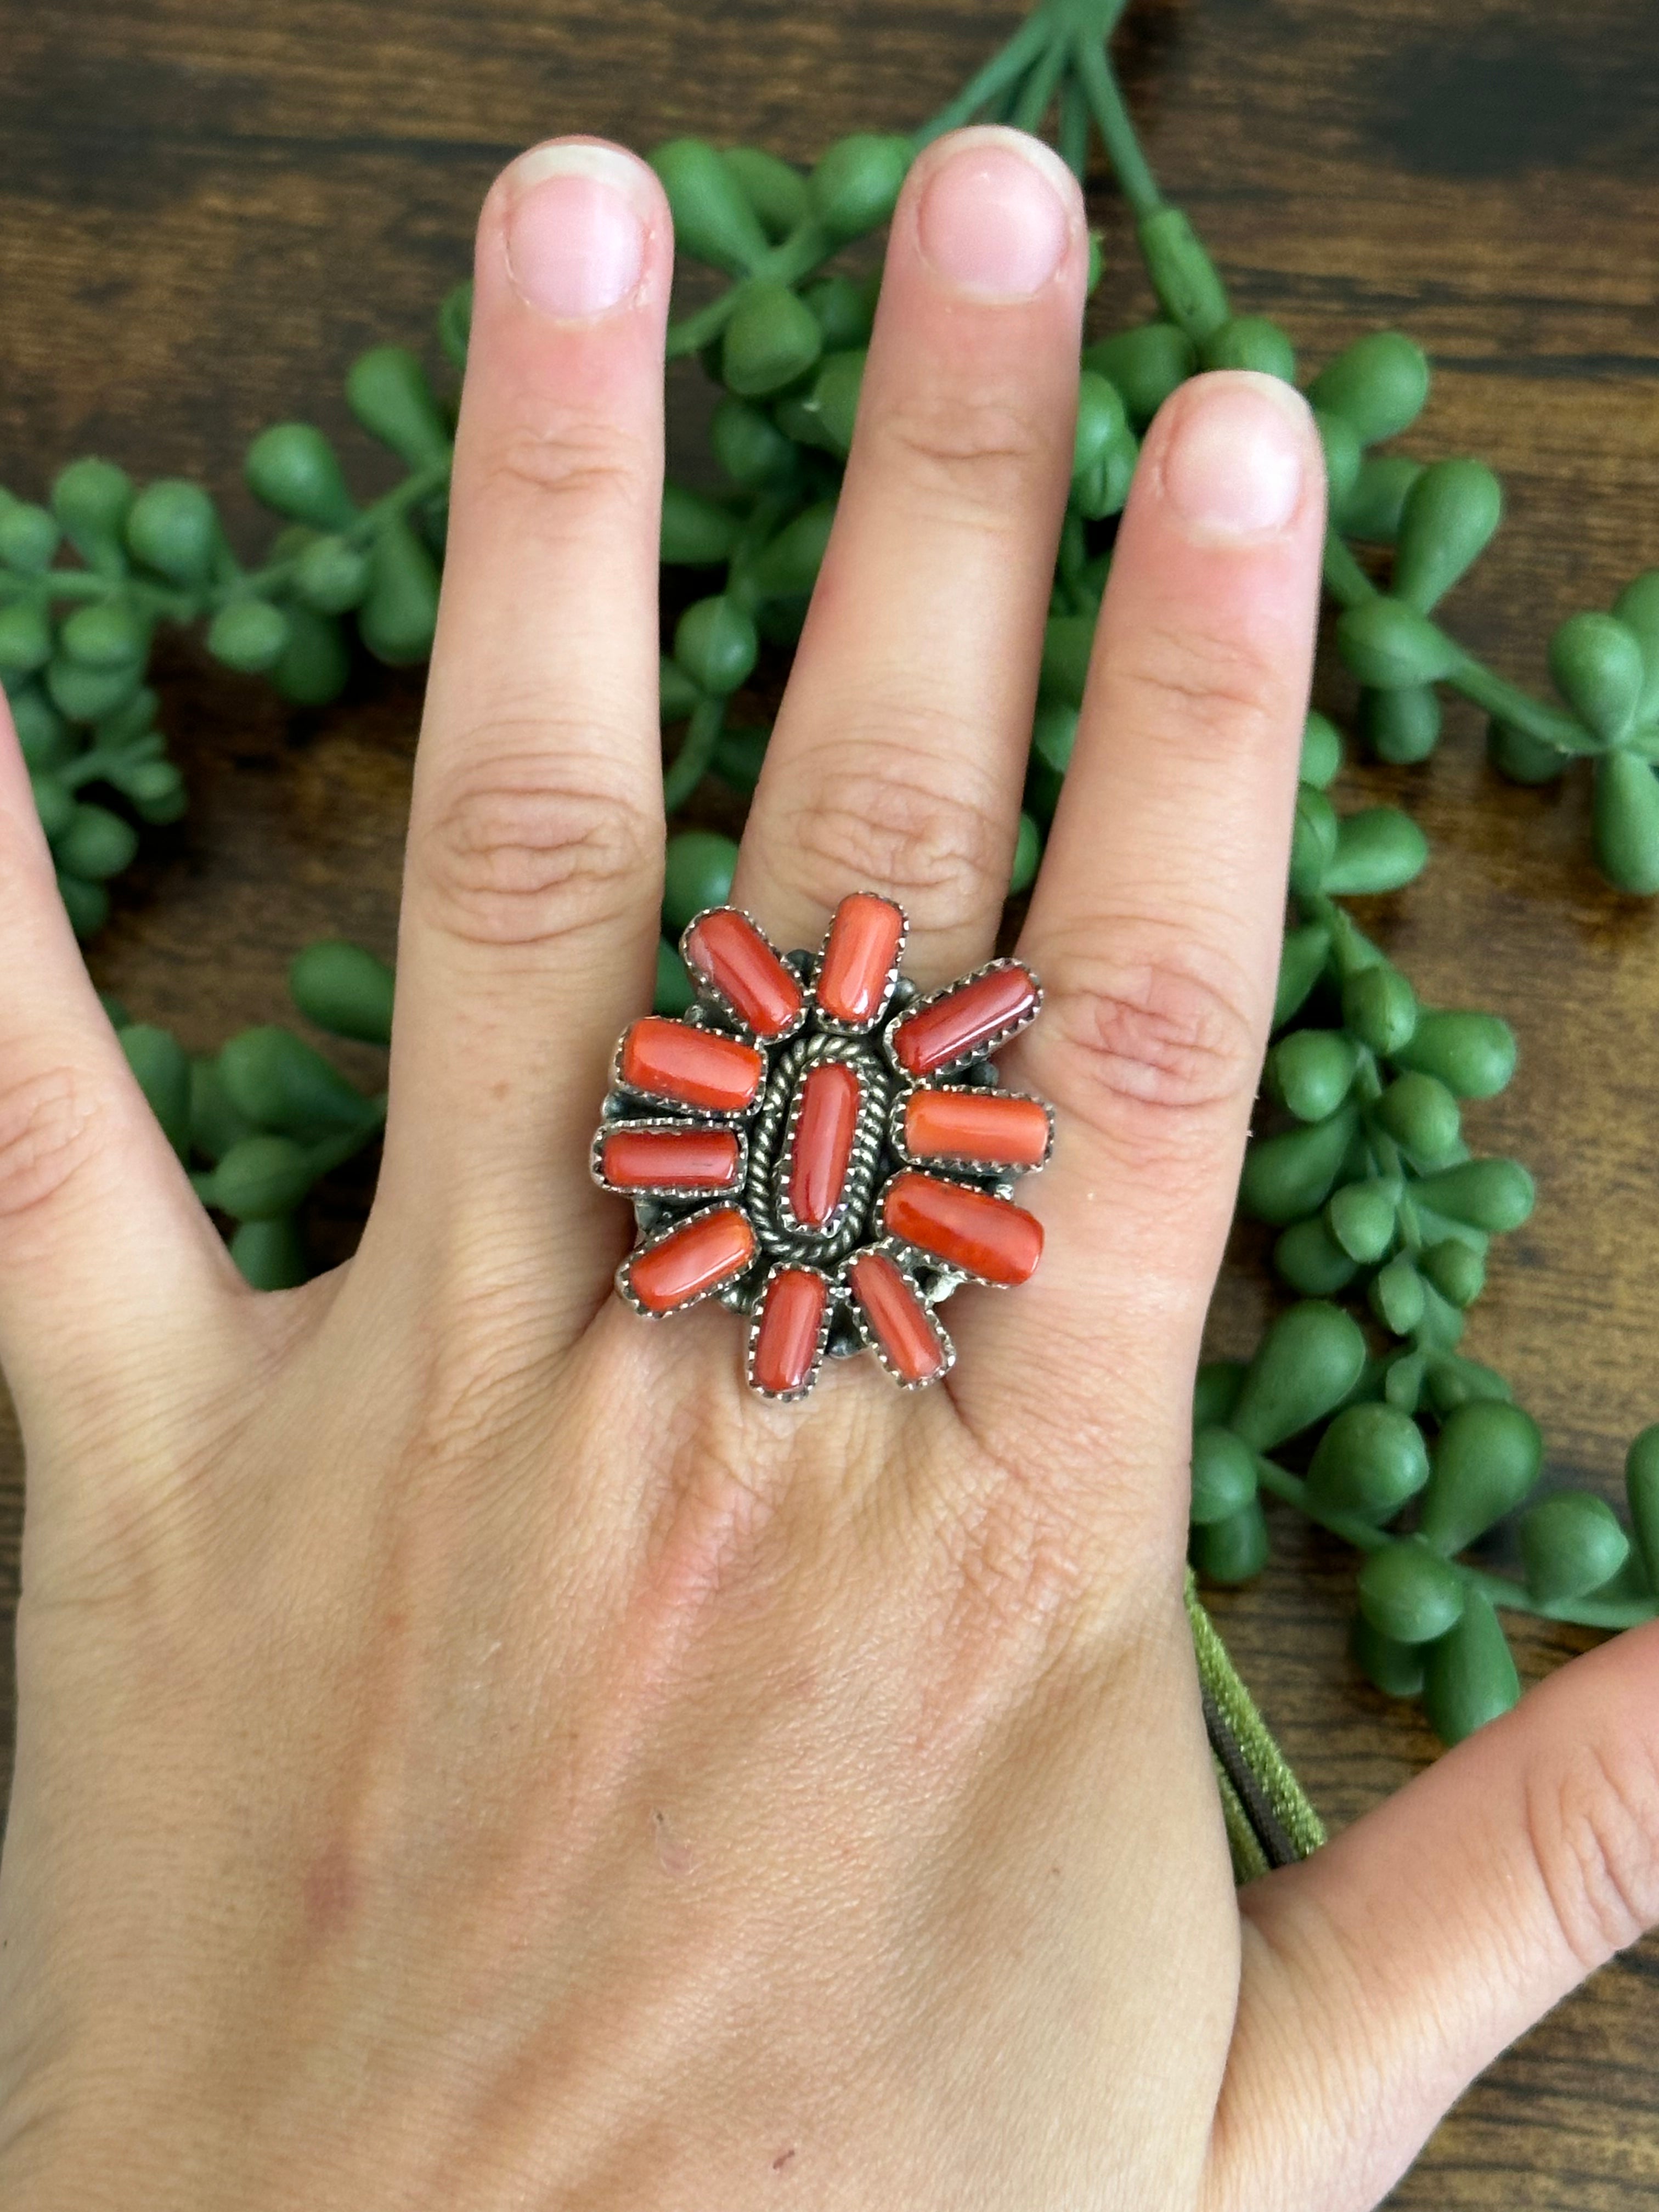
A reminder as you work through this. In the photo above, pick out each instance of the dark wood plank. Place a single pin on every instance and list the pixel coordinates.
(204, 212)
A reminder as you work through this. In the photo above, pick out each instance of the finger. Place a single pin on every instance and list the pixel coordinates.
(1382, 1974)
(899, 753)
(108, 1263)
(534, 871)
(1156, 916)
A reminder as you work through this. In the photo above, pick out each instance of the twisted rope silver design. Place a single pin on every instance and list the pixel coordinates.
(769, 1147)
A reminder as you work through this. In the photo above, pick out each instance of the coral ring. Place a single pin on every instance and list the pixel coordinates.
(820, 1148)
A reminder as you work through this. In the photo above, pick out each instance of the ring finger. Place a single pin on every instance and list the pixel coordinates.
(900, 751)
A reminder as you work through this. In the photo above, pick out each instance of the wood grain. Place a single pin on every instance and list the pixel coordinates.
(204, 212)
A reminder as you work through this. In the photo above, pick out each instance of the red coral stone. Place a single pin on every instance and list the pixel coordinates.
(821, 1148)
(858, 957)
(687, 1067)
(975, 1125)
(787, 1333)
(896, 1316)
(699, 1255)
(664, 1159)
(725, 948)
(963, 1018)
(973, 1229)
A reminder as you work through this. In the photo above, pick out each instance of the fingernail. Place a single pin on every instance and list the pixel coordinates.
(576, 228)
(996, 216)
(1238, 457)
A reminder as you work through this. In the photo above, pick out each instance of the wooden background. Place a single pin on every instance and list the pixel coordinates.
(205, 211)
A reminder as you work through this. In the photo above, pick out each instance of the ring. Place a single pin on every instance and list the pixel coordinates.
(820, 1148)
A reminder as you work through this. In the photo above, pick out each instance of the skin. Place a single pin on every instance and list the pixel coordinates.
(471, 1750)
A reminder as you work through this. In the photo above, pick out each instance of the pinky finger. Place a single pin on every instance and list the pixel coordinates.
(105, 1250)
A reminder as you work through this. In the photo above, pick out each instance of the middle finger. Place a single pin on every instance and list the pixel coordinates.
(900, 748)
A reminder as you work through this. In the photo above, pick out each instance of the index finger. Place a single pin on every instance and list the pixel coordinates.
(108, 1263)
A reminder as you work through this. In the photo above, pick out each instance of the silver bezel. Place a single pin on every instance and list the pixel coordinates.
(979, 1051)
(918, 1255)
(681, 1106)
(827, 1023)
(826, 1320)
(673, 1228)
(712, 995)
(772, 1140)
(891, 1249)
(956, 1164)
(675, 1125)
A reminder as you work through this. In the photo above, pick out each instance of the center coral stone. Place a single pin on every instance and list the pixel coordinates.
(820, 1150)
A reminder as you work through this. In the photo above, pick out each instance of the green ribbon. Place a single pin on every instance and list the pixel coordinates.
(1270, 1822)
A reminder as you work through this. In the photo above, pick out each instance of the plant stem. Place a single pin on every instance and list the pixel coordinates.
(180, 606)
(1502, 1589)
(1117, 131)
(1004, 66)
(1039, 88)
(1350, 586)
(1292, 1489)
(415, 490)
(331, 1152)
(697, 751)
(1074, 128)
(51, 585)
(807, 247)
(1344, 580)
(1510, 704)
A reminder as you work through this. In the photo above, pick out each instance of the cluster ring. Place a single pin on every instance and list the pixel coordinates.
(821, 1149)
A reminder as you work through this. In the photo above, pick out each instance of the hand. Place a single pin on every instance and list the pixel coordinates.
(471, 1753)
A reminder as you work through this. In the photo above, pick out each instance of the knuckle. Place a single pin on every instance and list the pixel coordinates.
(1021, 1560)
(899, 811)
(1152, 1031)
(966, 459)
(1033, 1586)
(511, 856)
(52, 1125)
(476, 1388)
(1593, 1830)
(1217, 693)
(572, 464)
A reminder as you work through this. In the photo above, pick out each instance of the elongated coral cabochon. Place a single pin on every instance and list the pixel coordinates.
(859, 958)
(692, 1260)
(896, 1316)
(788, 1329)
(763, 992)
(689, 1066)
(988, 1126)
(962, 1020)
(973, 1229)
(821, 1149)
(690, 1159)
